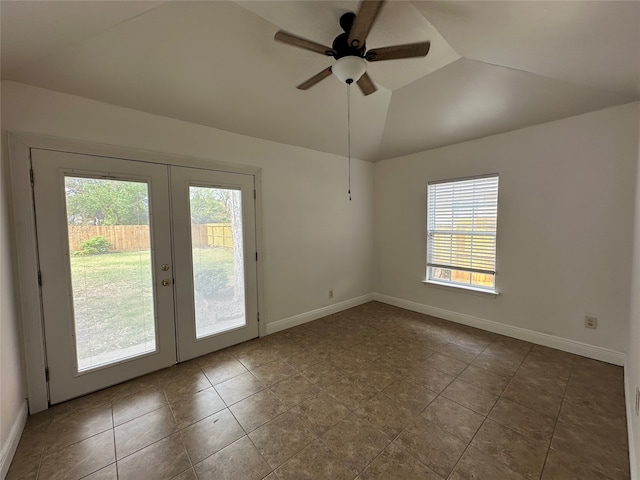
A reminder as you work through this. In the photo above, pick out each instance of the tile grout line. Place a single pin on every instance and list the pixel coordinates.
(487, 418)
(564, 392)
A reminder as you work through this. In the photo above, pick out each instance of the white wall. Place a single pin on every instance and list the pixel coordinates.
(314, 238)
(632, 361)
(565, 219)
(12, 383)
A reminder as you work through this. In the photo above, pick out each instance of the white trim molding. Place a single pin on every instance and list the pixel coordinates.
(552, 341)
(301, 318)
(11, 445)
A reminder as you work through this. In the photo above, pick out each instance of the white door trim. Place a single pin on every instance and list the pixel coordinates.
(26, 262)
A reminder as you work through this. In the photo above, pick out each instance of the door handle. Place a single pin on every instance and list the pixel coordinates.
(166, 282)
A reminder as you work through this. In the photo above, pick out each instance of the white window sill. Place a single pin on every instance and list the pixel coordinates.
(462, 288)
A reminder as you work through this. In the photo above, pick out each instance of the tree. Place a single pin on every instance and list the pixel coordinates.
(93, 201)
(209, 205)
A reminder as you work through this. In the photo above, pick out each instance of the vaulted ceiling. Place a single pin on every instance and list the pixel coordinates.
(493, 66)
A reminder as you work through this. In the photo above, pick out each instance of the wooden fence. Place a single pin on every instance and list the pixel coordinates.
(128, 238)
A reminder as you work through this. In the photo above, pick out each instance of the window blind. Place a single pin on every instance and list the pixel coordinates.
(461, 224)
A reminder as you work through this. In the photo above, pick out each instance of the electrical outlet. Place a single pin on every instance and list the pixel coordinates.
(330, 293)
(637, 401)
(590, 322)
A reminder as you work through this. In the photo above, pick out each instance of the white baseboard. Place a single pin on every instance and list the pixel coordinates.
(559, 343)
(630, 401)
(295, 320)
(9, 448)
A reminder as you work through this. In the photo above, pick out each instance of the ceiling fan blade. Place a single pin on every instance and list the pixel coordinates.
(408, 50)
(315, 79)
(300, 42)
(366, 84)
(365, 17)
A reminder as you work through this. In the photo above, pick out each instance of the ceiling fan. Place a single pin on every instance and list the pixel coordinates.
(349, 49)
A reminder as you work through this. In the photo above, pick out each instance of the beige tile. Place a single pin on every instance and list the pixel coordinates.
(239, 387)
(132, 387)
(386, 415)
(350, 361)
(323, 374)
(79, 459)
(82, 404)
(470, 396)
(273, 372)
(176, 372)
(109, 472)
(602, 394)
(186, 475)
(161, 461)
(211, 434)
(63, 431)
(355, 441)
(138, 404)
(475, 465)
(281, 438)
(435, 447)
(294, 390)
(24, 467)
(542, 378)
(185, 386)
(256, 357)
(223, 369)
(497, 363)
(430, 378)
(321, 412)
(466, 353)
(522, 454)
(539, 400)
(445, 364)
(409, 395)
(190, 409)
(351, 392)
(315, 462)
(523, 420)
(453, 418)
(39, 420)
(215, 358)
(143, 431)
(257, 410)
(607, 422)
(26, 460)
(302, 358)
(591, 450)
(397, 464)
(558, 467)
(484, 379)
(376, 375)
(240, 460)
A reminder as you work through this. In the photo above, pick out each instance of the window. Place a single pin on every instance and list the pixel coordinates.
(461, 232)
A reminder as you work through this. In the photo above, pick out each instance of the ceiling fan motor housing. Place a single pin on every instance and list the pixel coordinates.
(341, 42)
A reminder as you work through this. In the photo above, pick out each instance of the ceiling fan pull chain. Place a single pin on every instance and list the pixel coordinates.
(349, 133)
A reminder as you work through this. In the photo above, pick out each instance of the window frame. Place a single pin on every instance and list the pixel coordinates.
(461, 286)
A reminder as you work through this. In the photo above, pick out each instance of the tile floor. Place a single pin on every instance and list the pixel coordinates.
(374, 392)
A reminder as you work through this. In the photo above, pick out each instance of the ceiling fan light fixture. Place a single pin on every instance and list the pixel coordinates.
(349, 69)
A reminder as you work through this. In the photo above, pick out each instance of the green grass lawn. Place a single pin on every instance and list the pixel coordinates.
(113, 302)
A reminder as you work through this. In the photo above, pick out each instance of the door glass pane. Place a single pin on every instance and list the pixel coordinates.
(218, 264)
(109, 242)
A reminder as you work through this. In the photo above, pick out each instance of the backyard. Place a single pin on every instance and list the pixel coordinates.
(113, 303)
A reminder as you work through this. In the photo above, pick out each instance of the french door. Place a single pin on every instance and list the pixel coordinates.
(142, 265)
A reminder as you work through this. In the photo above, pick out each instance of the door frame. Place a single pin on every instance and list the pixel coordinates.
(26, 266)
